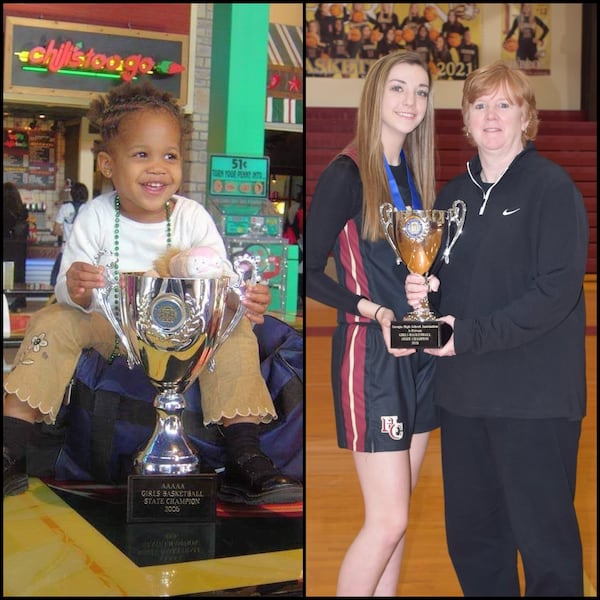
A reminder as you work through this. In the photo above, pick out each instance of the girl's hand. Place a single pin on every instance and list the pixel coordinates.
(256, 300)
(82, 278)
(384, 317)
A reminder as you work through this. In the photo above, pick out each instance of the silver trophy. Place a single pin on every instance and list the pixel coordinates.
(416, 238)
(172, 328)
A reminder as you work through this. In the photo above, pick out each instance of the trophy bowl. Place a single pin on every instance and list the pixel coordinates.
(172, 328)
(416, 237)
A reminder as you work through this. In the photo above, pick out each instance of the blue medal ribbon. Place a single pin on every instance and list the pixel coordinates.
(415, 199)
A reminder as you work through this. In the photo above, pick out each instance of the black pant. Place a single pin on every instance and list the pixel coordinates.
(16, 250)
(55, 269)
(509, 487)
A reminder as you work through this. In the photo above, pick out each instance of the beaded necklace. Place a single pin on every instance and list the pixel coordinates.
(115, 263)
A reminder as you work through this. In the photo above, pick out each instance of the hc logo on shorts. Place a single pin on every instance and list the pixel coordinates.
(392, 427)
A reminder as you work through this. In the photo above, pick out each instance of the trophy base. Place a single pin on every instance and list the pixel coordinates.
(172, 498)
(420, 334)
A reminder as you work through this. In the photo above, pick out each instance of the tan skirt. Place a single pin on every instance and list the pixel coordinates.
(57, 334)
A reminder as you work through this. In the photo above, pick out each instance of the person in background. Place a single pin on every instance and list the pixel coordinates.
(468, 56)
(293, 225)
(510, 382)
(368, 49)
(387, 19)
(142, 131)
(413, 19)
(64, 221)
(326, 20)
(382, 396)
(423, 45)
(314, 44)
(16, 232)
(339, 40)
(388, 43)
(452, 25)
(441, 58)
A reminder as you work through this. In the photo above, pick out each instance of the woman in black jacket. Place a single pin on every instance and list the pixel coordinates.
(510, 382)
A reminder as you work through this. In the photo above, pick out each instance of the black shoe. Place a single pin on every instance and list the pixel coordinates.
(14, 476)
(254, 479)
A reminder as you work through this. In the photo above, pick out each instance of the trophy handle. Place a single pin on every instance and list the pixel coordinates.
(240, 311)
(456, 214)
(246, 269)
(103, 297)
(386, 214)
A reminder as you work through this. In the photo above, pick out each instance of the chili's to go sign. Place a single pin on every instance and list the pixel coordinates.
(69, 59)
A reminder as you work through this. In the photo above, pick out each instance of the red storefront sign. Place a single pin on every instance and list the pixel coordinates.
(73, 60)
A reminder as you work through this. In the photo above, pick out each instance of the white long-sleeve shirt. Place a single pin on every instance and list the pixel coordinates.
(139, 243)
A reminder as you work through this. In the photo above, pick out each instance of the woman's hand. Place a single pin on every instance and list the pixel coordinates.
(417, 287)
(448, 349)
(256, 299)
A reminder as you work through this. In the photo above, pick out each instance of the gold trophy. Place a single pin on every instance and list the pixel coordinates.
(416, 238)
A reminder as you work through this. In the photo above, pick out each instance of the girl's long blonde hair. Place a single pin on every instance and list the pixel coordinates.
(418, 146)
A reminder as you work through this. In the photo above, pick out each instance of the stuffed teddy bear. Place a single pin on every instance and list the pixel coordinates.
(198, 262)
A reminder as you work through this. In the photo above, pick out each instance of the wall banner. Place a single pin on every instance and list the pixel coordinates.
(342, 40)
(526, 37)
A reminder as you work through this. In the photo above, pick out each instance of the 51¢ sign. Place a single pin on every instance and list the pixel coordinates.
(238, 176)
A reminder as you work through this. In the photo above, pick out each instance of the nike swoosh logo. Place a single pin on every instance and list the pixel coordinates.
(507, 212)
